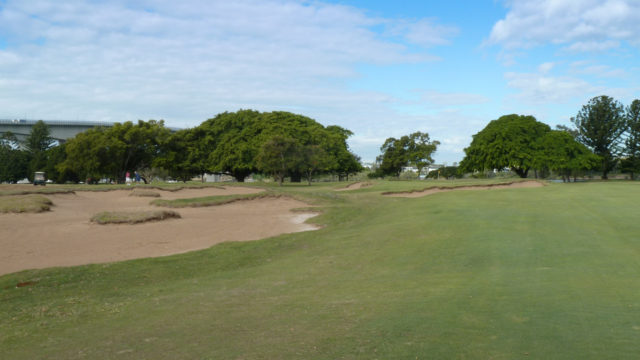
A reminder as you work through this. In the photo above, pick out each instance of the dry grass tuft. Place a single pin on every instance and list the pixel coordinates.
(123, 217)
(24, 204)
(144, 193)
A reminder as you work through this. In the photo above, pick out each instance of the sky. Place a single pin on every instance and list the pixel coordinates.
(378, 68)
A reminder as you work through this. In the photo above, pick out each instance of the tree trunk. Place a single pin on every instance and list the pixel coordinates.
(521, 172)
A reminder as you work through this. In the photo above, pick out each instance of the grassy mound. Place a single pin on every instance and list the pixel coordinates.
(123, 217)
(144, 193)
(24, 204)
(211, 200)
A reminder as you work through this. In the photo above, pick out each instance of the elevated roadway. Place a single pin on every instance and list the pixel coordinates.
(61, 130)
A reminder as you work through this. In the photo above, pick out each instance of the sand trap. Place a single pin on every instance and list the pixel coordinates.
(414, 194)
(355, 186)
(66, 237)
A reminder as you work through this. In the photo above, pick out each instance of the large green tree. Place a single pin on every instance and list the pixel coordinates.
(238, 137)
(235, 143)
(111, 152)
(184, 154)
(600, 125)
(13, 161)
(512, 141)
(631, 162)
(560, 152)
(414, 149)
(36, 144)
(278, 156)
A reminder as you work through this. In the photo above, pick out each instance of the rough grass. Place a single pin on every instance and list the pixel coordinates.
(20, 189)
(211, 200)
(24, 204)
(122, 217)
(533, 273)
(144, 193)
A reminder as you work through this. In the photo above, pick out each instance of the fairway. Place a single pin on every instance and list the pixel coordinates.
(548, 272)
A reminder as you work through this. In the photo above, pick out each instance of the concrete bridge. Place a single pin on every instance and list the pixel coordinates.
(61, 130)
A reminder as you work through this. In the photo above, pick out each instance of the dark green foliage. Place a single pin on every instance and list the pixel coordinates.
(111, 152)
(237, 138)
(185, 154)
(512, 141)
(279, 156)
(414, 149)
(13, 161)
(561, 153)
(36, 145)
(600, 125)
(234, 137)
(55, 169)
(631, 162)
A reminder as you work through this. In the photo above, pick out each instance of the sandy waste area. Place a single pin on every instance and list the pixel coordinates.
(515, 185)
(65, 236)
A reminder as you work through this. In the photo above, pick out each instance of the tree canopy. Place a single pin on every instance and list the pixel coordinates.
(237, 138)
(560, 152)
(36, 145)
(414, 149)
(631, 162)
(512, 141)
(13, 161)
(600, 125)
(111, 152)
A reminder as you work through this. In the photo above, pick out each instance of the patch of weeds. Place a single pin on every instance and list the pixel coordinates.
(212, 200)
(24, 204)
(144, 193)
(122, 217)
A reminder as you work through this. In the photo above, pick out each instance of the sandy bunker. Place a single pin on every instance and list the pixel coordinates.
(355, 186)
(435, 190)
(66, 237)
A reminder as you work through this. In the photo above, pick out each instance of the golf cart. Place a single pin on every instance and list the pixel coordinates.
(39, 178)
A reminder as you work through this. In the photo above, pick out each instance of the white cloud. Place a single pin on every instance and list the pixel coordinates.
(425, 32)
(586, 25)
(598, 70)
(545, 67)
(542, 89)
(185, 61)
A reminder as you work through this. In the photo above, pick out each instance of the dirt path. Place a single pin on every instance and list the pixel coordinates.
(65, 237)
(414, 194)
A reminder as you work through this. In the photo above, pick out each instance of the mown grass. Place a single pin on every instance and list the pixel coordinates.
(211, 200)
(24, 204)
(133, 217)
(537, 273)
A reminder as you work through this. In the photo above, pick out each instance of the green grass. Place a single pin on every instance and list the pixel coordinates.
(537, 273)
(133, 217)
(24, 204)
(210, 200)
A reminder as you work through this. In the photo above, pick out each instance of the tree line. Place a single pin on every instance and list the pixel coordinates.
(280, 144)
(605, 135)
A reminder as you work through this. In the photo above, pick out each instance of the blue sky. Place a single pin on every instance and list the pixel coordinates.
(378, 68)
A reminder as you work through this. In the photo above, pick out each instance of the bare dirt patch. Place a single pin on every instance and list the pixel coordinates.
(65, 235)
(355, 186)
(435, 190)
